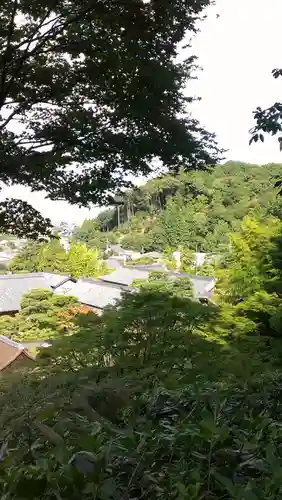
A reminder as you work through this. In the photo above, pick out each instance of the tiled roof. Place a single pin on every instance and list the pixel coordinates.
(202, 285)
(125, 275)
(10, 351)
(54, 280)
(14, 286)
(113, 263)
(148, 267)
(95, 293)
(117, 249)
(92, 292)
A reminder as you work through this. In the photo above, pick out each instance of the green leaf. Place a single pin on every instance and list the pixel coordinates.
(224, 481)
(84, 462)
(49, 434)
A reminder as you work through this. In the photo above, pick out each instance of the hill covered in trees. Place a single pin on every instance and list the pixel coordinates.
(196, 210)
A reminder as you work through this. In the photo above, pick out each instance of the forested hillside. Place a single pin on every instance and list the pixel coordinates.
(197, 209)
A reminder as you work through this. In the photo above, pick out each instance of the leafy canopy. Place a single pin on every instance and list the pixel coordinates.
(249, 281)
(91, 92)
(45, 316)
(51, 257)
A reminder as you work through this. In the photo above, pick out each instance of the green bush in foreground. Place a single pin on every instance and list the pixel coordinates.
(108, 440)
(146, 402)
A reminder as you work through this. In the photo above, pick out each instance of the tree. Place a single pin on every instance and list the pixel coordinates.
(9, 326)
(27, 259)
(139, 242)
(207, 269)
(96, 86)
(249, 259)
(176, 413)
(107, 219)
(83, 344)
(153, 326)
(87, 231)
(82, 261)
(45, 315)
(250, 278)
(269, 120)
(187, 257)
(92, 233)
(36, 257)
(40, 317)
(51, 257)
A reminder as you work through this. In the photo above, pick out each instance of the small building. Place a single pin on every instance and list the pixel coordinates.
(13, 356)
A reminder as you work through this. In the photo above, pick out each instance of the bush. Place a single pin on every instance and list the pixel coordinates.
(152, 401)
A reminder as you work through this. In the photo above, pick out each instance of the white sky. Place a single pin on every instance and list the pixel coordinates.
(237, 51)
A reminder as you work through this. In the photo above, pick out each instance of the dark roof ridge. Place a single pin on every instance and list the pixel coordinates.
(101, 282)
(41, 274)
(195, 276)
(146, 267)
(65, 280)
(11, 342)
(21, 275)
(19, 350)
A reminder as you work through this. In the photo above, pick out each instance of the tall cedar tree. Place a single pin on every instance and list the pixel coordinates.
(90, 92)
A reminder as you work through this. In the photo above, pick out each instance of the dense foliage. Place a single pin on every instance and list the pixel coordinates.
(96, 86)
(92, 233)
(151, 400)
(79, 261)
(196, 210)
(250, 279)
(43, 316)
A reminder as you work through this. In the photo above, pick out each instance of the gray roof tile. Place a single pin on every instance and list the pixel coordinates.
(202, 285)
(95, 293)
(113, 263)
(148, 267)
(125, 275)
(14, 286)
(54, 280)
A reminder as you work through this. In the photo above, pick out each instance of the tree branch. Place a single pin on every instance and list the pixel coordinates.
(6, 53)
(45, 37)
(9, 118)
